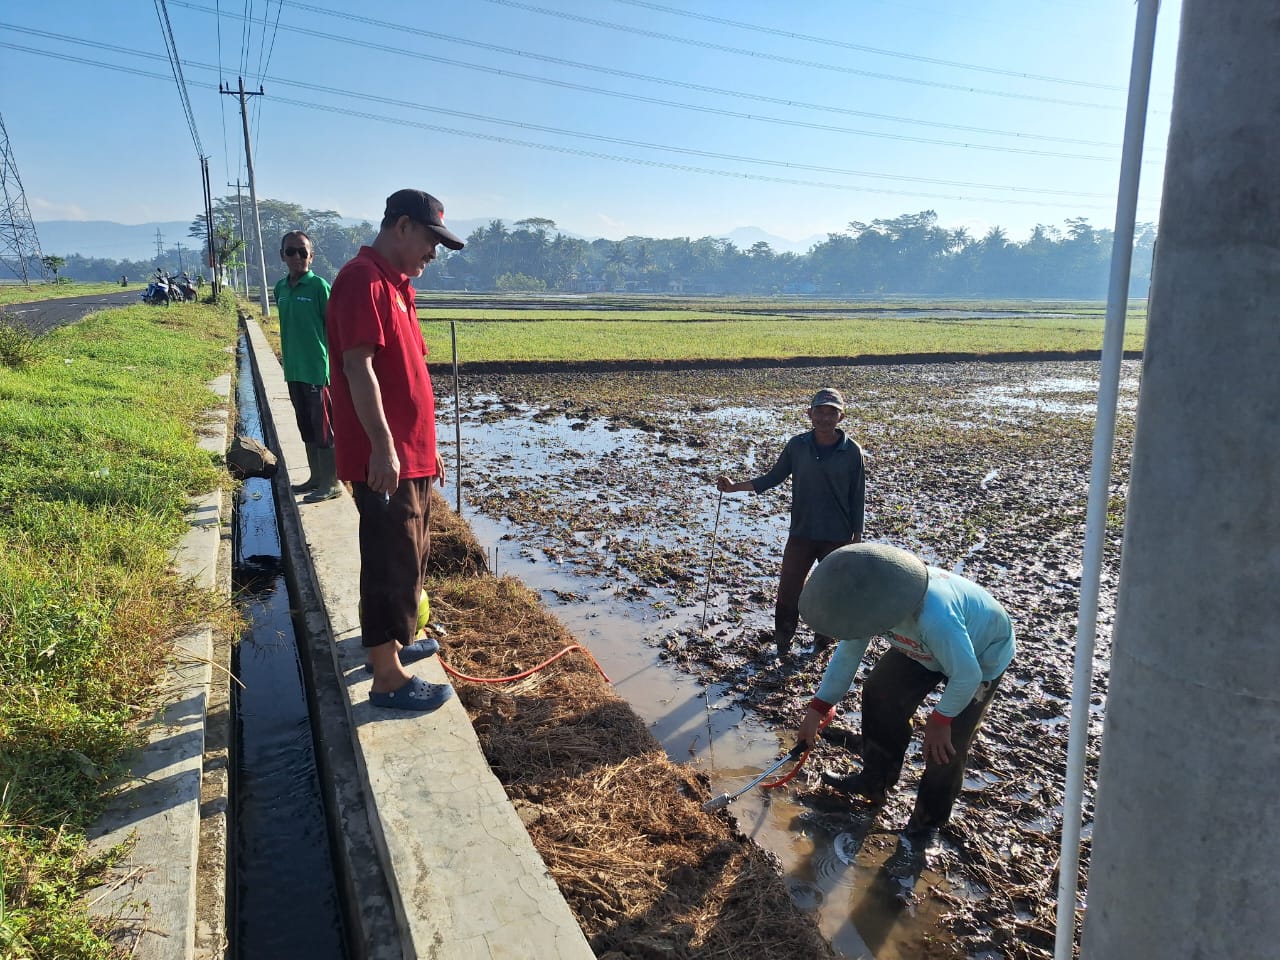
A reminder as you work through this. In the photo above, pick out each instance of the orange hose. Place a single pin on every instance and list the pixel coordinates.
(783, 781)
(520, 676)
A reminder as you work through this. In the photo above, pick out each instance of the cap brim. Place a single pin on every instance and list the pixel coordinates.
(450, 240)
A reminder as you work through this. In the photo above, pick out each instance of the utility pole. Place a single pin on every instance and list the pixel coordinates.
(182, 264)
(1184, 844)
(244, 259)
(211, 259)
(19, 244)
(159, 246)
(253, 189)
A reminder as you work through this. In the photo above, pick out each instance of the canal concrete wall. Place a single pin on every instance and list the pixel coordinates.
(416, 800)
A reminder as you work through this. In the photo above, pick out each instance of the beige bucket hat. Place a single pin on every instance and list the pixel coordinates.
(862, 590)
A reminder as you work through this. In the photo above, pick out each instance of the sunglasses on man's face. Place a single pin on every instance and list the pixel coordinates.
(297, 252)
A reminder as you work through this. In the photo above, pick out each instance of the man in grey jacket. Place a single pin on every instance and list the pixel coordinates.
(828, 491)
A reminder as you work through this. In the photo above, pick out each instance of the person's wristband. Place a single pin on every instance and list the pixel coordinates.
(821, 706)
(941, 718)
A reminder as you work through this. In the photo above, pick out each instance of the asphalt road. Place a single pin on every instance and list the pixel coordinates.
(44, 315)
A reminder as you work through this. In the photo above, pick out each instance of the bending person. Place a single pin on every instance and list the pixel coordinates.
(942, 629)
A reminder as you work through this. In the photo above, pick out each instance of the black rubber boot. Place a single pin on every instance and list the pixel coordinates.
(310, 482)
(854, 784)
(326, 477)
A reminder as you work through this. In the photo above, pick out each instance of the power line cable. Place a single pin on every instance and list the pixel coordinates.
(175, 65)
(641, 161)
(681, 167)
(222, 107)
(863, 48)
(530, 78)
(439, 38)
(244, 39)
(796, 61)
(262, 37)
(557, 131)
(263, 65)
(274, 30)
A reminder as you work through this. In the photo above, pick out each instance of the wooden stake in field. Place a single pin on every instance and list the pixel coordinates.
(711, 561)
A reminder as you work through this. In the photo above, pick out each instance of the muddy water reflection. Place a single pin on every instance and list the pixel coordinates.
(597, 601)
(597, 491)
(702, 727)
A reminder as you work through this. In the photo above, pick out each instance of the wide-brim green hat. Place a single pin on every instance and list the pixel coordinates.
(862, 590)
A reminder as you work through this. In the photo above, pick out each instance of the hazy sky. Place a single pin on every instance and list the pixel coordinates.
(610, 117)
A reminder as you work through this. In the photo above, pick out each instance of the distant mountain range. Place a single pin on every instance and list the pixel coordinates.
(137, 241)
(110, 240)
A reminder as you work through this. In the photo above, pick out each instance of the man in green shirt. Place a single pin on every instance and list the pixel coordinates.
(301, 299)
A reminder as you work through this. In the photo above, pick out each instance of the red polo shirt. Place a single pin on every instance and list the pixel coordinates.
(371, 303)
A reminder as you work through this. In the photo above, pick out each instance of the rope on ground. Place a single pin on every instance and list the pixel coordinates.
(532, 670)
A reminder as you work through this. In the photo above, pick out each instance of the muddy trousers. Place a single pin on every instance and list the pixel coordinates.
(890, 698)
(394, 547)
(798, 556)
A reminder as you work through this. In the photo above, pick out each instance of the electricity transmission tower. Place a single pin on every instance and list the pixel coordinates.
(19, 245)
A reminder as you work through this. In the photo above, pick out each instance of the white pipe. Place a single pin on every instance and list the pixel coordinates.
(1100, 479)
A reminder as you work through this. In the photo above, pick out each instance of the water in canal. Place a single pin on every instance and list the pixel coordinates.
(282, 898)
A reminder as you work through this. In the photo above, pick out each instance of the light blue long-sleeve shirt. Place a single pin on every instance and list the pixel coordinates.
(960, 630)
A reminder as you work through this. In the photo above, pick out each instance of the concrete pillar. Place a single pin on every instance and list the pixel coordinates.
(1186, 846)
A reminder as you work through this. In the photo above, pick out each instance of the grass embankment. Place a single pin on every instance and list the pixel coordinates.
(682, 336)
(98, 457)
(17, 293)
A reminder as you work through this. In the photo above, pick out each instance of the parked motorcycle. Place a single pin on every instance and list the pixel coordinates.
(159, 292)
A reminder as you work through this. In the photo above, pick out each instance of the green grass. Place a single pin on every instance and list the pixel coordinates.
(452, 303)
(98, 457)
(672, 338)
(17, 293)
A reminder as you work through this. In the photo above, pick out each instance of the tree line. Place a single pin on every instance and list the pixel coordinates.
(908, 255)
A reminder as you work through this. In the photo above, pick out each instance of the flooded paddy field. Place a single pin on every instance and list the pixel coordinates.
(598, 490)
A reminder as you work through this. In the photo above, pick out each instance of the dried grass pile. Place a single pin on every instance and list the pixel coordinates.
(647, 873)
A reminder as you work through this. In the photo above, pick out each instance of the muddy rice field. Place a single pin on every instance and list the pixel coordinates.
(983, 468)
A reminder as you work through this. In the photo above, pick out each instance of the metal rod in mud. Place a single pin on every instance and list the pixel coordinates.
(715, 803)
(457, 418)
(1099, 483)
(711, 561)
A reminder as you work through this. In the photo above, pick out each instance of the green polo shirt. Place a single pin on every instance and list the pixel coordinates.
(303, 344)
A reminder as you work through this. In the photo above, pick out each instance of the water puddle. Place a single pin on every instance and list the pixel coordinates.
(1075, 396)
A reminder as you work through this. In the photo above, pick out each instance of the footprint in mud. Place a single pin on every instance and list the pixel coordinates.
(805, 895)
(846, 847)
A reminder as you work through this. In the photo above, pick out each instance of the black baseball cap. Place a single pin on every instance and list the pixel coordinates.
(426, 210)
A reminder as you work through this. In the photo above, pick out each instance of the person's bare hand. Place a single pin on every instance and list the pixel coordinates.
(724, 484)
(938, 748)
(813, 723)
(384, 472)
(439, 468)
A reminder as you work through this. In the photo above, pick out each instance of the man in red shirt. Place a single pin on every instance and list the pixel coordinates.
(385, 434)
